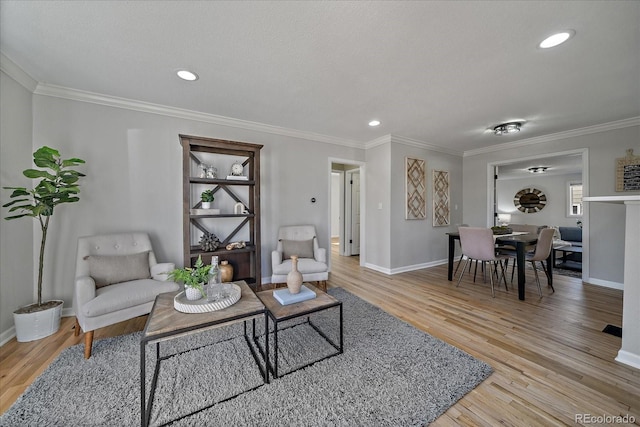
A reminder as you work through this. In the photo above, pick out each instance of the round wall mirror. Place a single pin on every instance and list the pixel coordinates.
(530, 200)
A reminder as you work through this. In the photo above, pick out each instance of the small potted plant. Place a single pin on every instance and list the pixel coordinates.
(207, 198)
(193, 278)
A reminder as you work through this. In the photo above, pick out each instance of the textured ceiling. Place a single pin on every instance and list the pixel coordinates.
(436, 72)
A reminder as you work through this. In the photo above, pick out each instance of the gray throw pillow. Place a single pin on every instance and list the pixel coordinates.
(109, 269)
(301, 248)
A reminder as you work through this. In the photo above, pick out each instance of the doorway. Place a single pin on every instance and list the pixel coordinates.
(347, 208)
(560, 171)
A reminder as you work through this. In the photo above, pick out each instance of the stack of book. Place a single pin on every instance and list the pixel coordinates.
(284, 297)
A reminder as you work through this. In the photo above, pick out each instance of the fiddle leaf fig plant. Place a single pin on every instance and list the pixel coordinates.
(58, 184)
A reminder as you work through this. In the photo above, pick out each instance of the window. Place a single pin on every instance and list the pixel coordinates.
(574, 205)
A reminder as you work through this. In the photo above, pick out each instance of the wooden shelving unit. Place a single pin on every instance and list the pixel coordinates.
(227, 225)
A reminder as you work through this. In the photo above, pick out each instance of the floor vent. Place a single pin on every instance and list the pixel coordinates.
(613, 330)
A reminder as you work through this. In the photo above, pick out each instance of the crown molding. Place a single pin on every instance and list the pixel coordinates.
(421, 144)
(410, 142)
(147, 107)
(384, 139)
(12, 69)
(618, 124)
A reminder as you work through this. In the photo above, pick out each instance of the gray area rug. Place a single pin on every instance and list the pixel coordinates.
(390, 374)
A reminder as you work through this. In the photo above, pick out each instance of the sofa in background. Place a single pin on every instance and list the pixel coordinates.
(571, 259)
(571, 235)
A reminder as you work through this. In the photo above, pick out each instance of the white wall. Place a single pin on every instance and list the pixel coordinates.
(417, 243)
(378, 188)
(606, 229)
(555, 189)
(17, 273)
(134, 182)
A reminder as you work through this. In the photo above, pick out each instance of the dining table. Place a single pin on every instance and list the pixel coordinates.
(520, 241)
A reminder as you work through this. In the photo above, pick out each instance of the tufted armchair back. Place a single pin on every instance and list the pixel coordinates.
(112, 244)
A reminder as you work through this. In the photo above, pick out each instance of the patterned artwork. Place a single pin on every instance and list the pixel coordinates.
(416, 189)
(628, 172)
(440, 198)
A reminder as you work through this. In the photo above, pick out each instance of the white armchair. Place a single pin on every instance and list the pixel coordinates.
(299, 240)
(117, 278)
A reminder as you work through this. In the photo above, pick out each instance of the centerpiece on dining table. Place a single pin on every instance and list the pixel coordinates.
(501, 229)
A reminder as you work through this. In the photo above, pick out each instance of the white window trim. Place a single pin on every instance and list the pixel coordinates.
(569, 206)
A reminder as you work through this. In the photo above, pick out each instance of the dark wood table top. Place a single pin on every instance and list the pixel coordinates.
(279, 311)
(165, 320)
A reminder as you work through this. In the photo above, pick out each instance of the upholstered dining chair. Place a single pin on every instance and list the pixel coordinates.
(542, 250)
(299, 240)
(478, 244)
(117, 278)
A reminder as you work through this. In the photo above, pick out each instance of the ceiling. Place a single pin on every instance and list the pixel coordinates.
(439, 73)
(566, 164)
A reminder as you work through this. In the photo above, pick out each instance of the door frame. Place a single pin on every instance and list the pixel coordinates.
(362, 167)
(585, 193)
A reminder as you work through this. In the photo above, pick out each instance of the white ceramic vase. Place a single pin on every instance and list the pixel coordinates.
(294, 278)
(206, 205)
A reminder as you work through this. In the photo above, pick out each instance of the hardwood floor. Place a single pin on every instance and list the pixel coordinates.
(552, 364)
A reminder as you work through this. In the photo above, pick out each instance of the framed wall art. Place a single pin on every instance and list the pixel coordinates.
(628, 172)
(440, 198)
(416, 189)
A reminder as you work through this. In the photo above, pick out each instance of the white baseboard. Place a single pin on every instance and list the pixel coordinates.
(605, 283)
(627, 358)
(7, 335)
(406, 268)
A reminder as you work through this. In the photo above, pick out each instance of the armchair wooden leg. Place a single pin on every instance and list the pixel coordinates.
(88, 342)
(76, 332)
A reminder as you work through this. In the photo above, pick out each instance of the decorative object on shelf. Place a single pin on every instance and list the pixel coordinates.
(212, 172)
(203, 170)
(530, 200)
(237, 172)
(57, 186)
(628, 172)
(205, 211)
(239, 208)
(236, 245)
(440, 198)
(183, 305)
(294, 278)
(207, 198)
(416, 189)
(209, 242)
(226, 271)
(192, 278)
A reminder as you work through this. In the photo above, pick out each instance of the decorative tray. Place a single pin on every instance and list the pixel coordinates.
(182, 304)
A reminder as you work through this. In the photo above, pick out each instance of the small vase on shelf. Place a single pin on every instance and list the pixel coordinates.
(294, 278)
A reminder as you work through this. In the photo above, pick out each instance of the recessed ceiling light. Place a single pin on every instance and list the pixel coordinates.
(374, 123)
(187, 75)
(556, 39)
